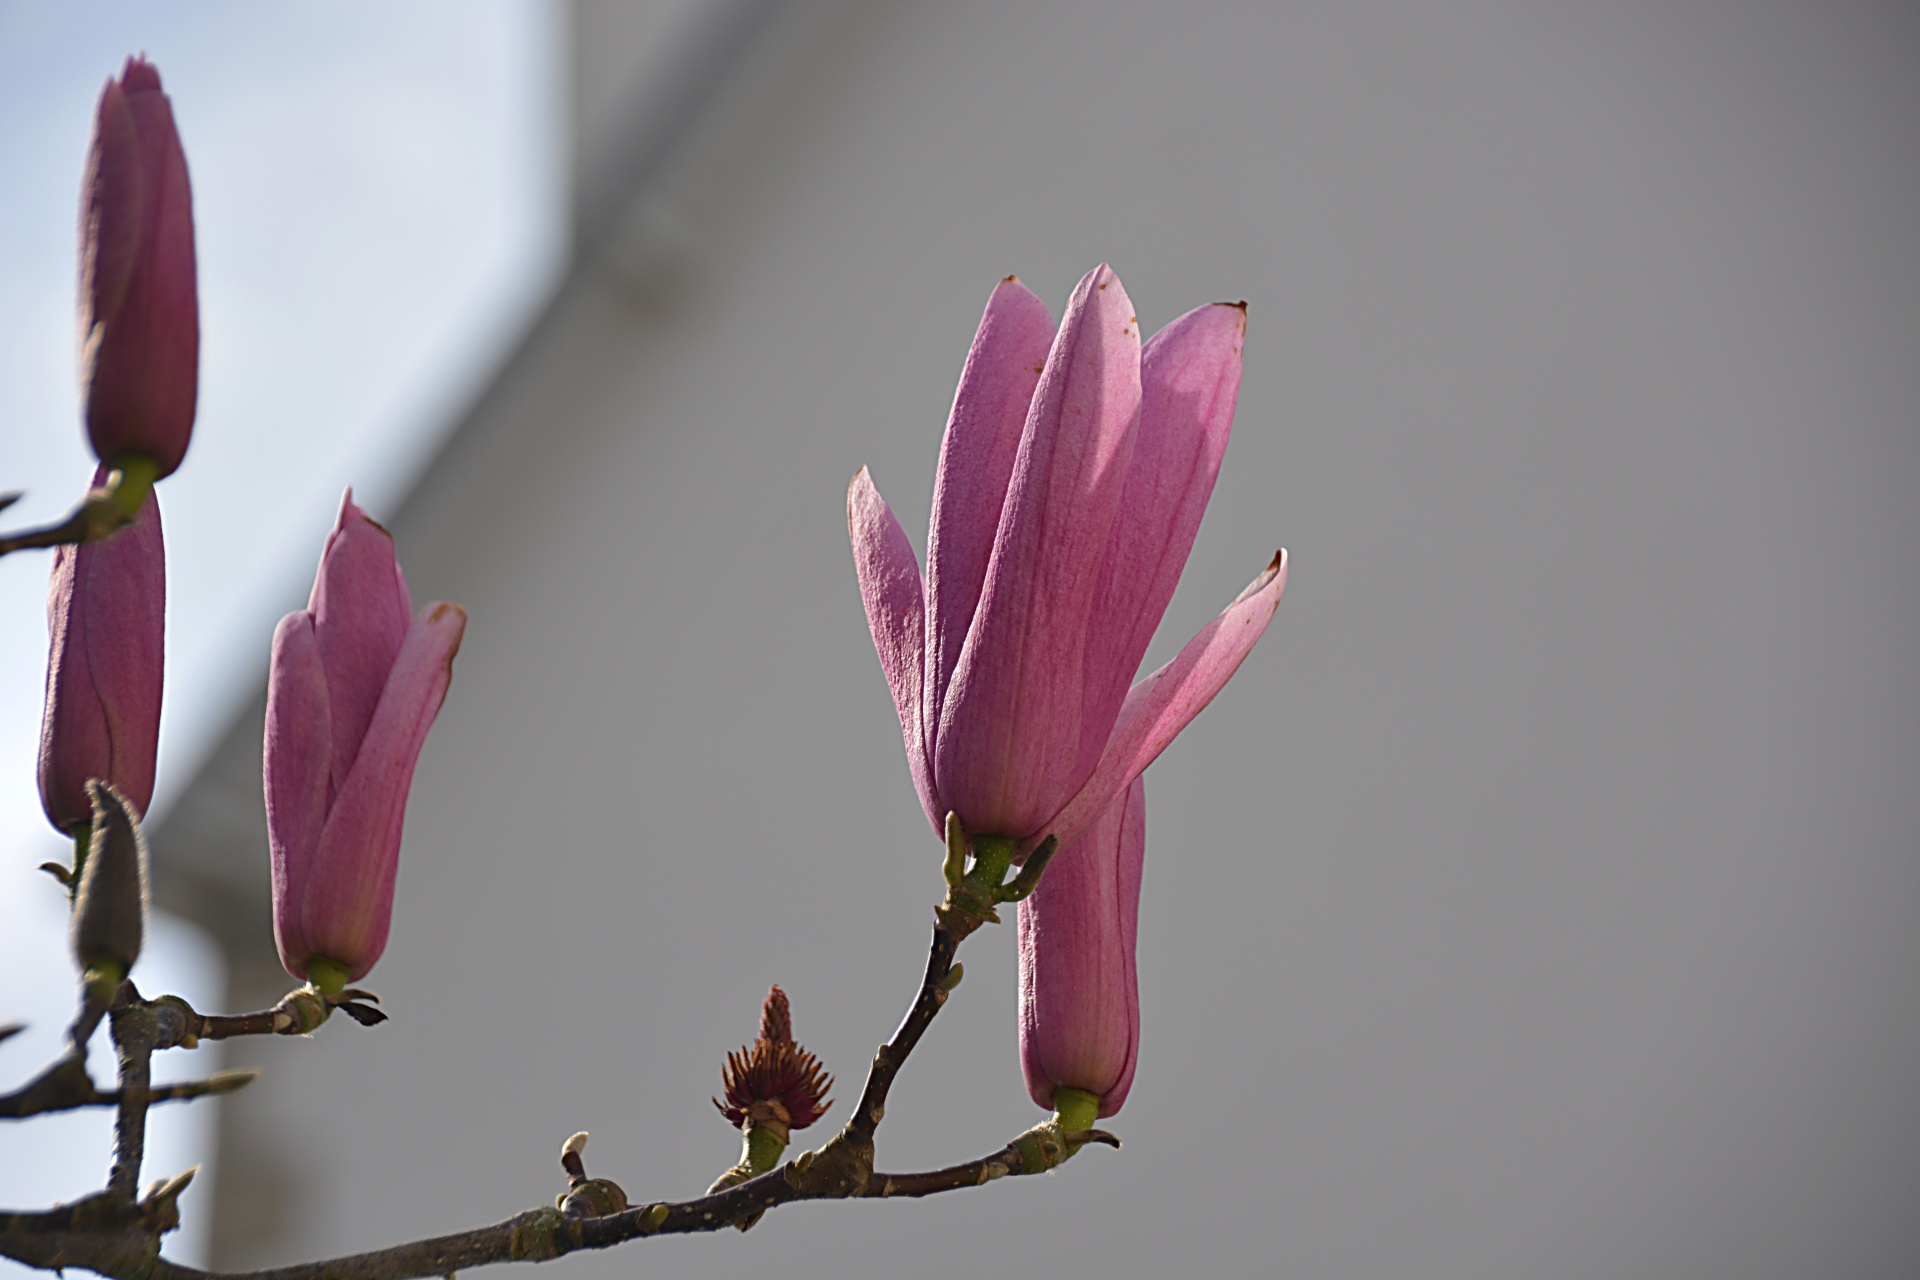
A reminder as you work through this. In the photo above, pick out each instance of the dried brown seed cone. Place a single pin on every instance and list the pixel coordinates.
(774, 1083)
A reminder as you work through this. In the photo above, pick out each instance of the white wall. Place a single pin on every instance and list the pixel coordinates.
(1539, 900)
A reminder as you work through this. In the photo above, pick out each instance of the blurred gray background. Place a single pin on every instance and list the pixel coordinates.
(1541, 897)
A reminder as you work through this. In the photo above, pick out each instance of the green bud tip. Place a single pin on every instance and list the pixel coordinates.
(955, 868)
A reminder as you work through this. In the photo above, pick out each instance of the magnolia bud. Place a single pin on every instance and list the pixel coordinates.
(139, 304)
(1079, 994)
(107, 622)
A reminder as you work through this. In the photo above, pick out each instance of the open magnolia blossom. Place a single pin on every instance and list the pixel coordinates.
(1074, 473)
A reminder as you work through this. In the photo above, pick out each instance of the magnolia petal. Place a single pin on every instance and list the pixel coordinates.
(976, 464)
(1006, 750)
(890, 588)
(348, 899)
(1079, 991)
(1164, 703)
(294, 761)
(1190, 382)
(361, 614)
(106, 623)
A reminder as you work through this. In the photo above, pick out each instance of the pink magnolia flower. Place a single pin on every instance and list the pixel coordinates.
(107, 622)
(355, 682)
(139, 309)
(1074, 473)
(1079, 996)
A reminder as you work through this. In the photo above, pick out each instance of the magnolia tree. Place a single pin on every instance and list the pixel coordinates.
(1071, 481)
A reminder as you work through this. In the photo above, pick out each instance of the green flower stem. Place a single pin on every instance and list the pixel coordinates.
(762, 1149)
(992, 855)
(130, 481)
(329, 977)
(1074, 1110)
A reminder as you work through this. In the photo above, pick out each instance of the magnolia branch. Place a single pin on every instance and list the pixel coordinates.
(113, 1234)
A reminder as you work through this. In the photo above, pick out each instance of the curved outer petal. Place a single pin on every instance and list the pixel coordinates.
(891, 591)
(1166, 702)
(295, 758)
(347, 901)
(1006, 750)
(361, 614)
(1190, 383)
(1079, 994)
(107, 622)
(976, 464)
(140, 312)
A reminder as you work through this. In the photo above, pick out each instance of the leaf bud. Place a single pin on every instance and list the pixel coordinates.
(110, 911)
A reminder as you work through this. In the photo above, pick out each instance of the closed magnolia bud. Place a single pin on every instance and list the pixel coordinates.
(110, 910)
(106, 622)
(1079, 993)
(139, 304)
(355, 682)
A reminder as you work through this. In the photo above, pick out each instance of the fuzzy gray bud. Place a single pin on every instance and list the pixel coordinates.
(110, 911)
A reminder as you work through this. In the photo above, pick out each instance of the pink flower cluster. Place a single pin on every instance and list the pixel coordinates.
(1077, 463)
(356, 678)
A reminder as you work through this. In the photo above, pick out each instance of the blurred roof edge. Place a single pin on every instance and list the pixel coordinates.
(644, 78)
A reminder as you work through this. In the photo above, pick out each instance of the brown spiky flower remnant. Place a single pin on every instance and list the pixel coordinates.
(773, 1086)
(774, 1083)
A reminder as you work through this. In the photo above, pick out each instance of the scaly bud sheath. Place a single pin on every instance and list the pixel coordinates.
(106, 622)
(586, 1197)
(139, 303)
(1079, 995)
(1074, 473)
(355, 682)
(110, 910)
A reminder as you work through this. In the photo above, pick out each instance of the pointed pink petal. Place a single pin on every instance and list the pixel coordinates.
(295, 758)
(360, 617)
(1079, 992)
(348, 901)
(1190, 381)
(1006, 750)
(890, 589)
(1166, 702)
(976, 464)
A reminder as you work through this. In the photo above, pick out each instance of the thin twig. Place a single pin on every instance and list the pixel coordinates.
(66, 1086)
(75, 528)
